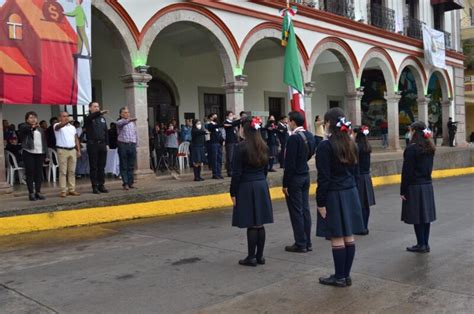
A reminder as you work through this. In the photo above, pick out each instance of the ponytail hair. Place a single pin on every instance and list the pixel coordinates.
(422, 138)
(343, 146)
(361, 138)
(255, 147)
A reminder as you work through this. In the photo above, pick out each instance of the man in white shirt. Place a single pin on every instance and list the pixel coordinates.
(69, 149)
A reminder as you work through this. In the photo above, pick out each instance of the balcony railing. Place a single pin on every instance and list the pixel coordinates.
(381, 16)
(340, 7)
(412, 27)
(447, 40)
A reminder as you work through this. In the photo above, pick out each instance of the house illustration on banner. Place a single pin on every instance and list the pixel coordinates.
(36, 55)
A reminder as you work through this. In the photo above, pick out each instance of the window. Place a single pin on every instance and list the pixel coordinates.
(275, 106)
(76, 112)
(438, 16)
(471, 17)
(15, 27)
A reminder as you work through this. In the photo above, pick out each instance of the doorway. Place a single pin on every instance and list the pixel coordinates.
(161, 103)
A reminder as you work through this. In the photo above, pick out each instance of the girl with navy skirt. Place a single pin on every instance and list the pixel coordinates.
(198, 140)
(364, 180)
(249, 190)
(339, 209)
(418, 204)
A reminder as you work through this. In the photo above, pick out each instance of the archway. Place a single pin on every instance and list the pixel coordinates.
(408, 105)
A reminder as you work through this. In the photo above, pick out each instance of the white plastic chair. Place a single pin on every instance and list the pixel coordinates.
(183, 155)
(12, 168)
(53, 164)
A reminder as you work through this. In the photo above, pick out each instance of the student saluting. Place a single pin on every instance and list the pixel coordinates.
(249, 189)
(418, 207)
(339, 210)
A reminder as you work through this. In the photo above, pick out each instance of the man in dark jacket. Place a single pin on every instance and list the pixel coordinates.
(231, 139)
(97, 141)
(299, 149)
(49, 132)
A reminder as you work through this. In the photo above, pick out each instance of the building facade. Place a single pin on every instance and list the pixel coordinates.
(365, 56)
(467, 39)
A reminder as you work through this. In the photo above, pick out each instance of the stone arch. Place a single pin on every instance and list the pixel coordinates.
(343, 53)
(157, 73)
(220, 35)
(116, 24)
(385, 62)
(269, 30)
(418, 71)
(444, 81)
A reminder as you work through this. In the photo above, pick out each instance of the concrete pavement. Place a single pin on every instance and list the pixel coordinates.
(188, 263)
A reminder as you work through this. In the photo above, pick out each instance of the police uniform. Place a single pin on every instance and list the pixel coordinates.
(299, 149)
(97, 141)
(231, 140)
(337, 191)
(364, 185)
(417, 187)
(250, 188)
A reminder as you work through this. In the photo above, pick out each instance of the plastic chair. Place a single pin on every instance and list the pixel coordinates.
(12, 168)
(183, 155)
(53, 164)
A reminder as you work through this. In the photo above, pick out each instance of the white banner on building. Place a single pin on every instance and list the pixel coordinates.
(435, 51)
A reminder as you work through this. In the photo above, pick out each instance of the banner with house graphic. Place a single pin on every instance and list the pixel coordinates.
(45, 52)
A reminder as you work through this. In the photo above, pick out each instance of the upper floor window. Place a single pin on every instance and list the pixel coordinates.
(411, 9)
(15, 27)
(438, 17)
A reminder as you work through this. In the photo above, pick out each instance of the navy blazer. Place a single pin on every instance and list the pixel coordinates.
(417, 167)
(364, 160)
(297, 156)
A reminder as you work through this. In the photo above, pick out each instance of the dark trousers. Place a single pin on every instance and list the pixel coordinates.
(229, 154)
(281, 155)
(366, 215)
(128, 156)
(451, 139)
(172, 155)
(97, 160)
(298, 206)
(33, 171)
(216, 159)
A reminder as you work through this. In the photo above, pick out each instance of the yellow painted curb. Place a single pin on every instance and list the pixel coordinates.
(90, 216)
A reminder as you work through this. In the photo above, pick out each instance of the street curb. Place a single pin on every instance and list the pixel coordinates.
(91, 216)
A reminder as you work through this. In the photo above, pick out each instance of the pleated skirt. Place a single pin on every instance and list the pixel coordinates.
(253, 205)
(273, 151)
(366, 190)
(344, 215)
(198, 154)
(420, 205)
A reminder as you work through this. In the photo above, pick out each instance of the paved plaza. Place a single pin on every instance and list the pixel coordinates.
(188, 263)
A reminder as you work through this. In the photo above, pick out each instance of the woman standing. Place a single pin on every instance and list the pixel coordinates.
(159, 140)
(249, 190)
(319, 133)
(416, 191)
(272, 142)
(339, 210)
(33, 142)
(198, 140)
(172, 145)
(364, 180)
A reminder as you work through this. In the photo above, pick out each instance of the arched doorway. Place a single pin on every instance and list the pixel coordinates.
(162, 106)
(374, 103)
(435, 111)
(408, 105)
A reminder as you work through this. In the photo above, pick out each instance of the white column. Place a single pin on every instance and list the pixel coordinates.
(309, 89)
(234, 93)
(423, 109)
(4, 186)
(354, 109)
(137, 102)
(393, 122)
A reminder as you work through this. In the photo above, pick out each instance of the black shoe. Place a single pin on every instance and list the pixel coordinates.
(261, 260)
(333, 281)
(32, 197)
(40, 196)
(102, 189)
(309, 248)
(201, 179)
(295, 249)
(428, 249)
(348, 281)
(418, 249)
(130, 186)
(95, 190)
(220, 177)
(248, 262)
(197, 179)
(215, 177)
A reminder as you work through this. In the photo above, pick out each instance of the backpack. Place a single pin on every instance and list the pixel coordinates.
(305, 140)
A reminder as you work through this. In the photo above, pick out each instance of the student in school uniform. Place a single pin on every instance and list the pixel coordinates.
(231, 139)
(249, 190)
(364, 180)
(198, 140)
(216, 141)
(299, 149)
(339, 210)
(282, 133)
(272, 142)
(416, 190)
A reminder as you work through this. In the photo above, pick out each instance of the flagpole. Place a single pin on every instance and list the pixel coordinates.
(287, 4)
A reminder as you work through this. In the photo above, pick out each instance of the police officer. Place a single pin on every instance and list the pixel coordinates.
(452, 128)
(97, 141)
(300, 147)
(231, 139)
(216, 142)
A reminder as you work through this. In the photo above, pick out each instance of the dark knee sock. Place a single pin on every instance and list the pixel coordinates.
(427, 233)
(270, 163)
(260, 242)
(339, 256)
(419, 232)
(199, 172)
(252, 238)
(350, 253)
(196, 172)
(366, 213)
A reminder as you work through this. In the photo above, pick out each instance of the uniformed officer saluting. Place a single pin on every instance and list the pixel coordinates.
(97, 141)
(299, 149)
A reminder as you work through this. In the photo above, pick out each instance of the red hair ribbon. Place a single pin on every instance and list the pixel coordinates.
(256, 123)
(365, 130)
(427, 133)
(344, 124)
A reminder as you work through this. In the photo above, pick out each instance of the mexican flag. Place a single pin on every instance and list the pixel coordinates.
(292, 71)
